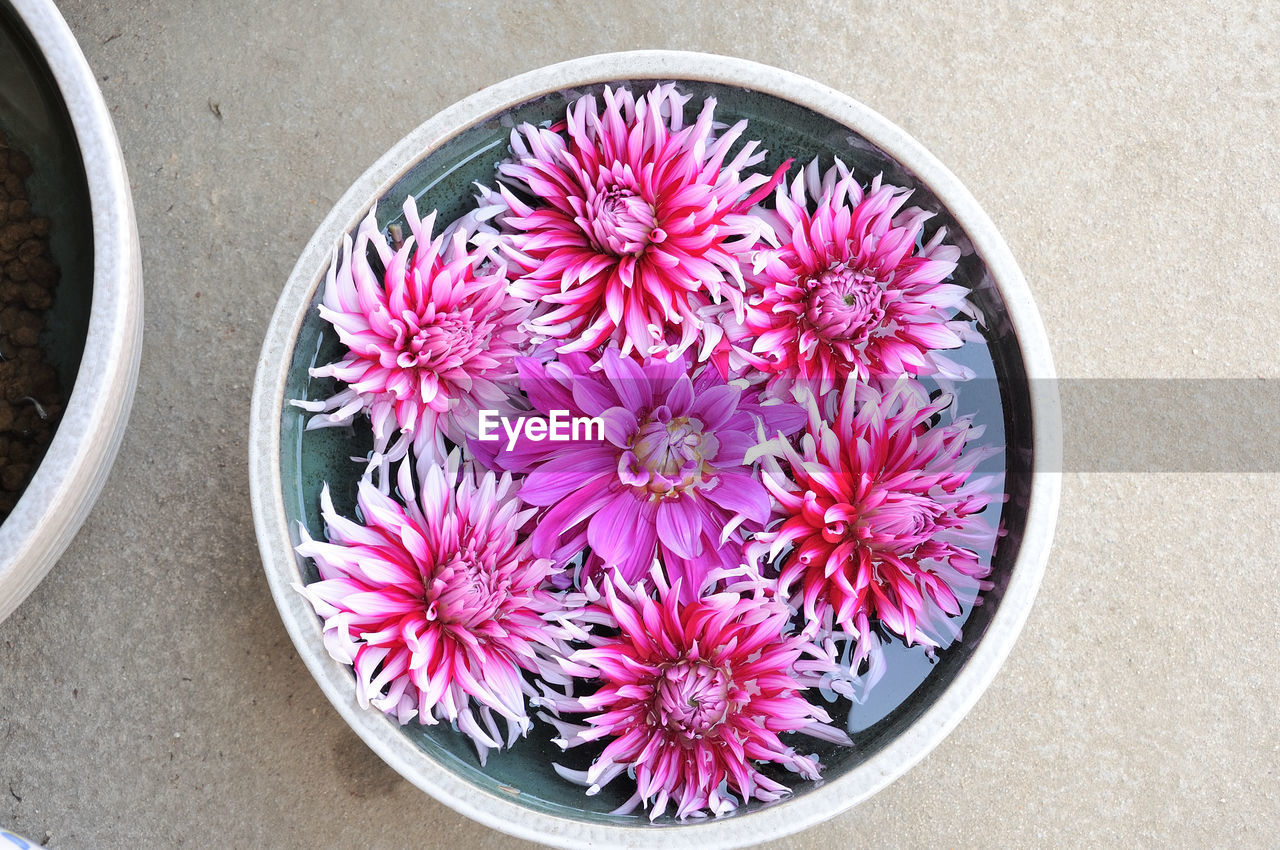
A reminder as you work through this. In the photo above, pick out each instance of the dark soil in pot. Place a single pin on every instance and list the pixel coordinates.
(30, 397)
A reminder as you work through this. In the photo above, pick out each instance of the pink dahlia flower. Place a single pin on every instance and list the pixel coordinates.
(428, 345)
(849, 292)
(693, 696)
(881, 521)
(634, 224)
(667, 477)
(437, 603)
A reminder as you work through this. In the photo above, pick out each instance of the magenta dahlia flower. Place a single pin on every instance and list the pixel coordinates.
(849, 291)
(429, 344)
(634, 224)
(667, 476)
(693, 696)
(881, 521)
(437, 603)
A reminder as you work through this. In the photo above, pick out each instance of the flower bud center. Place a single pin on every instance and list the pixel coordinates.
(462, 591)
(620, 222)
(429, 343)
(671, 452)
(901, 522)
(691, 698)
(845, 304)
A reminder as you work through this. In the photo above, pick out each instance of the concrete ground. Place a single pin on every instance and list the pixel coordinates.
(149, 695)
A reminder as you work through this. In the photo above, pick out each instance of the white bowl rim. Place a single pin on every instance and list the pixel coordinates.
(795, 813)
(69, 478)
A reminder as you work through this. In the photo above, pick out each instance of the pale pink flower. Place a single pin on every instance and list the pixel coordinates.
(849, 292)
(429, 343)
(627, 225)
(881, 514)
(668, 476)
(437, 603)
(693, 695)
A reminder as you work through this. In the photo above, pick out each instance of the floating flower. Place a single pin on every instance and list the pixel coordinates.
(429, 345)
(881, 519)
(849, 292)
(437, 602)
(668, 475)
(693, 695)
(637, 224)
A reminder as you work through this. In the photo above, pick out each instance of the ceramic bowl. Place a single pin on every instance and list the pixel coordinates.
(50, 107)
(517, 792)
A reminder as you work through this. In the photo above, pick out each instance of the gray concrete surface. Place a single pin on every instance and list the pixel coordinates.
(149, 695)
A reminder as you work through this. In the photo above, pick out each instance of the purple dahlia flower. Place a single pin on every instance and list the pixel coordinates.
(667, 477)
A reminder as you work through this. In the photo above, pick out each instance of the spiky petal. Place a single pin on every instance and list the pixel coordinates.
(428, 344)
(637, 223)
(693, 695)
(849, 292)
(880, 514)
(437, 602)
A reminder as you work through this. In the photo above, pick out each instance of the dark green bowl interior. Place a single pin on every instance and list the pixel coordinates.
(998, 398)
(34, 118)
